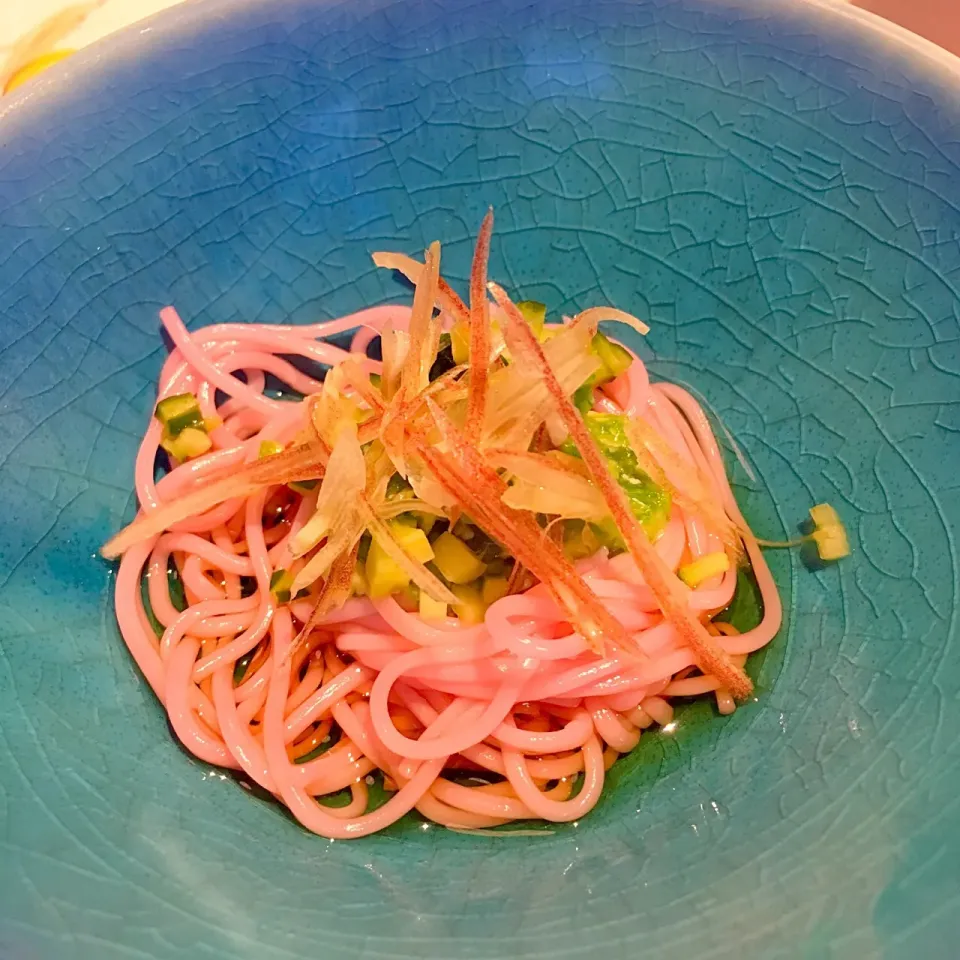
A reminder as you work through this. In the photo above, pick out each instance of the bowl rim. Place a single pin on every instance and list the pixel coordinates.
(195, 16)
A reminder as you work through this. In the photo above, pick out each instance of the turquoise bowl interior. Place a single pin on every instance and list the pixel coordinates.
(775, 186)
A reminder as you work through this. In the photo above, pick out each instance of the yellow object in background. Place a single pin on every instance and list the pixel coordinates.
(29, 70)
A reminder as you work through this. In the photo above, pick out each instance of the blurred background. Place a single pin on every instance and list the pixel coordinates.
(38, 33)
(937, 20)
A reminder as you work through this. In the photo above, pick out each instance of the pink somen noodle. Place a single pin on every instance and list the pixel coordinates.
(473, 724)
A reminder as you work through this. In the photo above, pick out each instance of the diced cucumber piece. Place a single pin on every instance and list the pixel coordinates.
(413, 540)
(494, 589)
(383, 574)
(455, 560)
(178, 412)
(188, 443)
(470, 607)
(280, 583)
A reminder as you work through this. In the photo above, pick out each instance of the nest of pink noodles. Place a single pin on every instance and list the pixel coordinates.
(444, 438)
(479, 441)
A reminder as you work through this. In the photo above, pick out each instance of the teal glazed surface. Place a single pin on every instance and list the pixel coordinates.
(776, 188)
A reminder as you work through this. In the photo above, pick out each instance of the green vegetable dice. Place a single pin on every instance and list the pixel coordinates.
(649, 502)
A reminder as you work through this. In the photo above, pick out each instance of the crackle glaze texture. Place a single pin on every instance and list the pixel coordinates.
(776, 190)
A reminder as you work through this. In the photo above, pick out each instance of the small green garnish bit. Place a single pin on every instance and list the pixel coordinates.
(280, 583)
(455, 560)
(398, 488)
(535, 314)
(188, 443)
(614, 360)
(179, 412)
(649, 502)
(303, 486)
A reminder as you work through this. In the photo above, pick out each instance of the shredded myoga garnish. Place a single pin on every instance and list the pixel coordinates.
(478, 568)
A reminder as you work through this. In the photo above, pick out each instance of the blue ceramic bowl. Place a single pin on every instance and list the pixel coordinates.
(776, 187)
